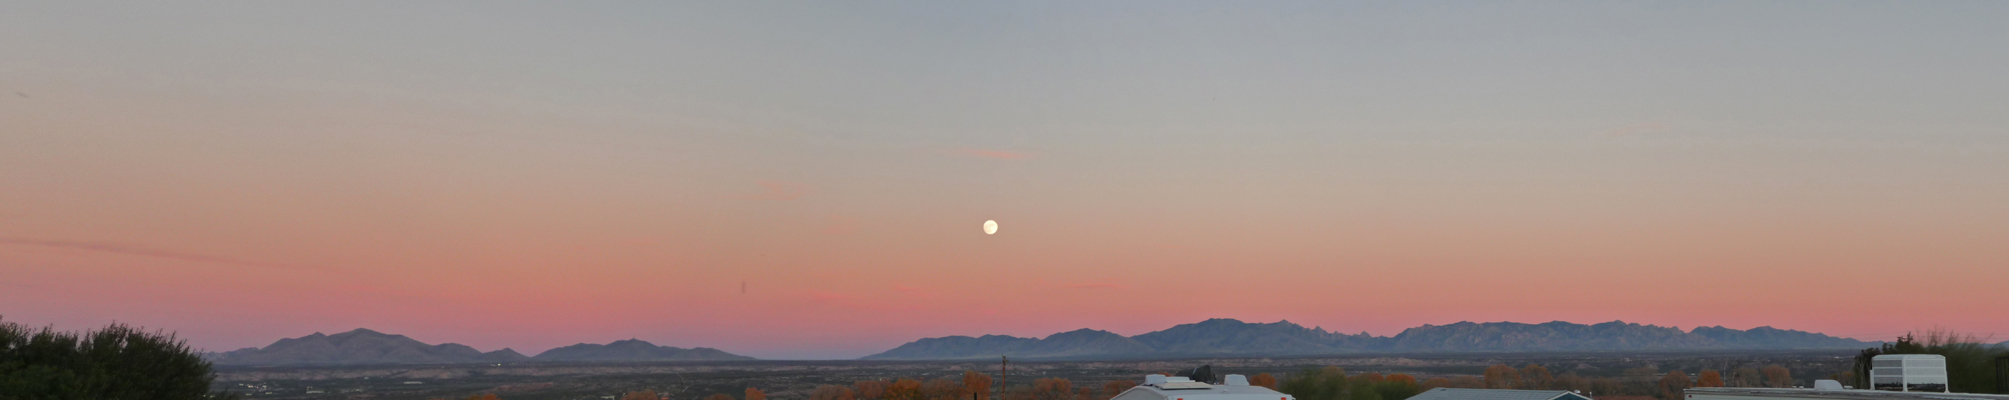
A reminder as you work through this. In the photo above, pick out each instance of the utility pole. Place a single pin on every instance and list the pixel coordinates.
(1004, 375)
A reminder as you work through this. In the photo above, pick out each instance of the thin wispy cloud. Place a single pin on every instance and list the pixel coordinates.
(991, 154)
(779, 191)
(116, 248)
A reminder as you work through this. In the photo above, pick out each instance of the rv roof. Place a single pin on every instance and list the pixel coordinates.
(1209, 392)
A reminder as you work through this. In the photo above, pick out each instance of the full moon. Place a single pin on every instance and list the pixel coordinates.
(990, 227)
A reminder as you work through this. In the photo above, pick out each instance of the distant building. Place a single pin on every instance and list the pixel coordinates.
(1496, 394)
(1234, 387)
(1832, 392)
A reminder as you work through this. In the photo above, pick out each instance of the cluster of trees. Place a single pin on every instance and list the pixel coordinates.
(491, 396)
(1332, 383)
(1635, 382)
(1970, 360)
(972, 386)
(642, 395)
(751, 394)
(118, 362)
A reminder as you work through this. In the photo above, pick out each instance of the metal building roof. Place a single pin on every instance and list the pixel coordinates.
(1496, 394)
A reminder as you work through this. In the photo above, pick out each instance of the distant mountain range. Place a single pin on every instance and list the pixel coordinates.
(1221, 337)
(1214, 337)
(363, 346)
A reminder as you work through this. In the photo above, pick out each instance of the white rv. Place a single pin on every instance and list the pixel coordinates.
(1234, 387)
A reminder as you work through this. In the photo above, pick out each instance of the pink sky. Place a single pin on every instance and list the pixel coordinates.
(247, 179)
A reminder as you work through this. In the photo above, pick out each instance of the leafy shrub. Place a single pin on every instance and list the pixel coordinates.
(115, 363)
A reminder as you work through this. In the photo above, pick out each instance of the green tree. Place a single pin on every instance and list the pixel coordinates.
(1969, 361)
(117, 362)
(1397, 387)
(1327, 383)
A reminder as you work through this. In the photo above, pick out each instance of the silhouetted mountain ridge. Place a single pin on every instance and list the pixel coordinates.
(364, 346)
(1282, 338)
(634, 350)
(360, 346)
(1081, 343)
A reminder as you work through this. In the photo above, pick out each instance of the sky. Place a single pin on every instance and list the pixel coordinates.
(809, 180)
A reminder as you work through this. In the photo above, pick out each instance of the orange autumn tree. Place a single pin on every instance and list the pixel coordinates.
(1709, 378)
(904, 389)
(1744, 377)
(1437, 382)
(944, 389)
(1467, 382)
(755, 394)
(1116, 387)
(1502, 377)
(1778, 377)
(1402, 378)
(1672, 384)
(1536, 377)
(869, 390)
(1052, 389)
(1264, 380)
(978, 384)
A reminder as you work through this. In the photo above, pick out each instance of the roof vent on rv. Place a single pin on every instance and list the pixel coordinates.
(1173, 382)
(1237, 380)
(1908, 373)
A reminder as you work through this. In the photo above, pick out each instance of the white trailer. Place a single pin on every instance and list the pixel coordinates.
(1234, 387)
